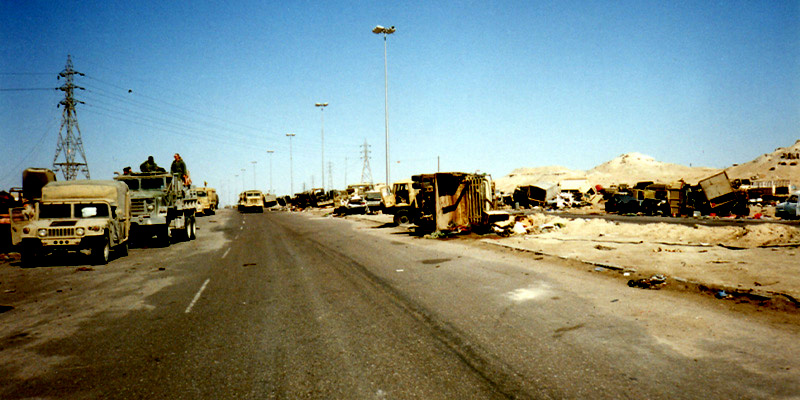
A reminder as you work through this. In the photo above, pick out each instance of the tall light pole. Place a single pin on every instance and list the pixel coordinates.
(243, 170)
(270, 169)
(291, 172)
(322, 107)
(254, 174)
(385, 31)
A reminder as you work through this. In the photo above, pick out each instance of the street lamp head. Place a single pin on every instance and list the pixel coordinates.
(321, 104)
(379, 29)
(270, 151)
(290, 134)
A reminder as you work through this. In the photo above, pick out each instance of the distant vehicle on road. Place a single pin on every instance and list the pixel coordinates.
(207, 200)
(251, 200)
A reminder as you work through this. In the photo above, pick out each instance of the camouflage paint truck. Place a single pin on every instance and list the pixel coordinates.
(161, 206)
(92, 215)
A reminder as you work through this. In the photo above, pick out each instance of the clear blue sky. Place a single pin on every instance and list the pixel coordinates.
(488, 86)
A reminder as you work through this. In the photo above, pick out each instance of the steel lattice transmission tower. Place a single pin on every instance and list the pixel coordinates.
(69, 135)
(366, 172)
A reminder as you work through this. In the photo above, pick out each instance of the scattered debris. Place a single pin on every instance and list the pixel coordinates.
(722, 295)
(654, 282)
(79, 269)
(601, 247)
(599, 269)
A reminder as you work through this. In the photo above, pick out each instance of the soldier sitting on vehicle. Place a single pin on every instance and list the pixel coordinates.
(151, 166)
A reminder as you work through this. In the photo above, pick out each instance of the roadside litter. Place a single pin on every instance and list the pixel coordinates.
(654, 282)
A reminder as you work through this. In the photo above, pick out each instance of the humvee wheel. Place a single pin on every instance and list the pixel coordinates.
(101, 252)
(29, 256)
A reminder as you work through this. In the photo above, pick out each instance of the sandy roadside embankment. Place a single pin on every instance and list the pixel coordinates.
(763, 260)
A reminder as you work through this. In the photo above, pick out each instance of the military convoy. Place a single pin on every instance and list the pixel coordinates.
(92, 215)
(161, 206)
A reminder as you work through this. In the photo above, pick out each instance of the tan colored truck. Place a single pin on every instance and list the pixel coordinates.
(251, 200)
(89, 215)
(206, 200)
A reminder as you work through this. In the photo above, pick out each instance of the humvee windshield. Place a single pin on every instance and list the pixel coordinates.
(100, 210)
(55, 211)
(202, 194)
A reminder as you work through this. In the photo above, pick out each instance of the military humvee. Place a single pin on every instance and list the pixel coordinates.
(74, 216)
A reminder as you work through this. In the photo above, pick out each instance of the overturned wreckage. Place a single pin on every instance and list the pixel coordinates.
(445, 201)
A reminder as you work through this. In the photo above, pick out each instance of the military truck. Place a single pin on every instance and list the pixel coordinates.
(251, 200)
(161, 206)
(206, 201)
(33, 180)
(74, 216)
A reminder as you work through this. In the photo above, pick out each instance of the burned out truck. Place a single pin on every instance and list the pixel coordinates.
(92, 215)
(444, 201)
(161, 206)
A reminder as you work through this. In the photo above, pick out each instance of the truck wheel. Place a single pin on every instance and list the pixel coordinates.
(401, 218)
(101, 252)
(165, 236)
(191, 230)
(122, 249)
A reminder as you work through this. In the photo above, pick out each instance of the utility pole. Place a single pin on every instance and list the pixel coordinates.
(330, 174)
(366, 171)
(291, 172)
(270, 169)
(254, 174)
(68, 142)
(322, 108)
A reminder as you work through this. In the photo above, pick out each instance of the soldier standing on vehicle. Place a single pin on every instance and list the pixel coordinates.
(179, 167)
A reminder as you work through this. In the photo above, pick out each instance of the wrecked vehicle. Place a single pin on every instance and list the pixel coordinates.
(789, 209)
(715, 195)
(536, 195)
(448, 201)
(78, 215)
(399, 201)
(623, 203)
(373, 201)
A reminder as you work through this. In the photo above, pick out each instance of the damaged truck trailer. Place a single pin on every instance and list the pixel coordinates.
(446, 201)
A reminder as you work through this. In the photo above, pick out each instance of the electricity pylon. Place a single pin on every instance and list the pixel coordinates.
(69, 142)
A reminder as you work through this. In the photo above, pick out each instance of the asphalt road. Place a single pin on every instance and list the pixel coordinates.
(281, 305)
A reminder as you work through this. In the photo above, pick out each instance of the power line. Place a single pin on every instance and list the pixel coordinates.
(25, 89)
